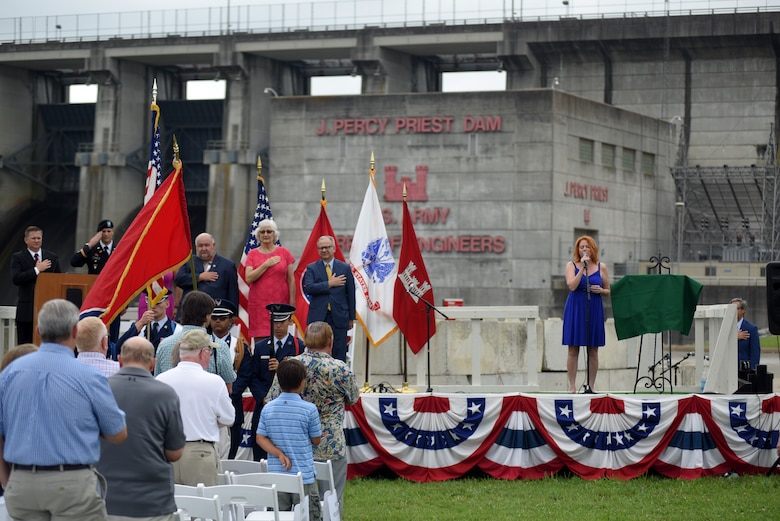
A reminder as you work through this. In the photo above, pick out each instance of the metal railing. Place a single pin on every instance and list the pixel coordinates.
(340, 15)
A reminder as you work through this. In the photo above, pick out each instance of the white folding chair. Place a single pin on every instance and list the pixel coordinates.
(188, 490)
(246, 496)
(331, 510)
(291, 483)
(243, 466)
(200, 507)
(223, 478)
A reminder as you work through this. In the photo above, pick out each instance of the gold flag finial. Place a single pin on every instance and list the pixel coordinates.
(322, 189)
(404, 192)
(260, 168)
(154, 106)
(372, 170)
(176, 158)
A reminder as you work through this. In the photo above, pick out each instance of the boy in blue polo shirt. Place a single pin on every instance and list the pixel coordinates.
(288, 428)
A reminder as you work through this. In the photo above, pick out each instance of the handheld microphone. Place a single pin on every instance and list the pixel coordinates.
(585, 262)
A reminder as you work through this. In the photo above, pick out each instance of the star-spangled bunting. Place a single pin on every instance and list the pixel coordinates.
(263, 211)
(440, 437)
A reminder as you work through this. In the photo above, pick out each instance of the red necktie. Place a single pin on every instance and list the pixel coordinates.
(35, 258)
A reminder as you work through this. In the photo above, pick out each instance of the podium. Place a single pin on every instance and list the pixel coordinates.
(72, 287)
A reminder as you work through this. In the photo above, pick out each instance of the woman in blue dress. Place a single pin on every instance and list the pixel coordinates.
(583, 315)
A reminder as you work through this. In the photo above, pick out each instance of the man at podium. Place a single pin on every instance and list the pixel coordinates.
(26, 265)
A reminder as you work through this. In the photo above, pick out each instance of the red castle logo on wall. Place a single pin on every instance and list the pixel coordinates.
(415, 190)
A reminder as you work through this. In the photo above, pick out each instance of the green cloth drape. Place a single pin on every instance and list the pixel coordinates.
(654, 303)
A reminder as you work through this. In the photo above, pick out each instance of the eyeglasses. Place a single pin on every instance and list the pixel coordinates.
(266, 231)
(325, 247)
(208, 349)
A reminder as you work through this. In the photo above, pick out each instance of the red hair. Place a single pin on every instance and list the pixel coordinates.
(594, 250)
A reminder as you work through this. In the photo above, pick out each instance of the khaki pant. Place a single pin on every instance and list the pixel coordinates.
(71, 495)
(198, 464)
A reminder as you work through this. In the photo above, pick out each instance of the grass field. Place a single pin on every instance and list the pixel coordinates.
(564, 498)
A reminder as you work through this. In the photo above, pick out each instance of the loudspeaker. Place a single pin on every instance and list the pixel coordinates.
(773, 296)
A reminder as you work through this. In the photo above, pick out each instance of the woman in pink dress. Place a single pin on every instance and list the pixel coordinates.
(269, 273)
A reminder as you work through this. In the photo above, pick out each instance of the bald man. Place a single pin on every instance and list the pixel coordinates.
(216, 275)
(140, 471)
(92, 345)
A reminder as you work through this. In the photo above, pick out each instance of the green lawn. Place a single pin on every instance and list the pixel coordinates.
(564, 499)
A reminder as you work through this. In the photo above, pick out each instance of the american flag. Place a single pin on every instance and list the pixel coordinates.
(262, 212)
(157, 289)
(154, 170)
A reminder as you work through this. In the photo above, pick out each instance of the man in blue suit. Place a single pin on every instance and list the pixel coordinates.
(331, 289)
(748, 345)
(216, 275)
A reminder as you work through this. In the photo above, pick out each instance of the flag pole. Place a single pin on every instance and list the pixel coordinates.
(156, 110)
(177, 167)
(404, 346)
(366, 385)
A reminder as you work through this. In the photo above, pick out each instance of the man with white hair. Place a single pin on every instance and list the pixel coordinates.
(205, 407)
(215, 274)
(47, 459)
(92, 343)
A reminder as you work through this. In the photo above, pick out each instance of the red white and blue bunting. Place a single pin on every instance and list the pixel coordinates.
(518, 436)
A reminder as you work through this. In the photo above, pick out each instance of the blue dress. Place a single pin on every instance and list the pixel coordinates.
(574, 314)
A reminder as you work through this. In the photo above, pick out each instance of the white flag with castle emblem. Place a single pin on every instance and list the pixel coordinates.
(374, 269)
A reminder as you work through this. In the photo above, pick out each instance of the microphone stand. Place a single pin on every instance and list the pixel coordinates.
(586, 387)
(428, 318)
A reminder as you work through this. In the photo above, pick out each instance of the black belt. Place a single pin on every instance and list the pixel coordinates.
(202, 441)
(59, 468)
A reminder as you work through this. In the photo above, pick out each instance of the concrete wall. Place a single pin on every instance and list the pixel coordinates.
(509, 183)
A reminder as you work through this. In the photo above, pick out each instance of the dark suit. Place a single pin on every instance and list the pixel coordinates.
(750, 348)
(226, 285)
(254, 374)
(23, 275)
(95, 258)
(341, 300)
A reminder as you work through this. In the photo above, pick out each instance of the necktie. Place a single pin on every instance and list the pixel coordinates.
(278, 345)
(155, 330)
(330, 274)
(35, 258)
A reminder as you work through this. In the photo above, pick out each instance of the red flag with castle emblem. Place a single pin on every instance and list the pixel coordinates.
(411, 286)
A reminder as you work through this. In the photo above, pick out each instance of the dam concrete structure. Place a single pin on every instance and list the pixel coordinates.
(604, 126)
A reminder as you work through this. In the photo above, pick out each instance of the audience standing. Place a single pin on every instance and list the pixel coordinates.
(92, 345)
(288, 428)
(330, 385)
(74, 408)
(139, 472)
(205, 406)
